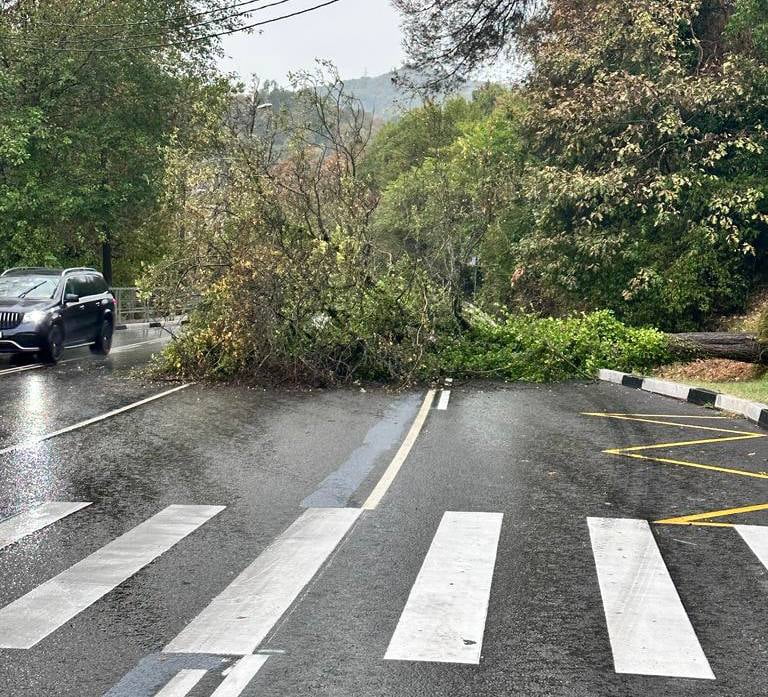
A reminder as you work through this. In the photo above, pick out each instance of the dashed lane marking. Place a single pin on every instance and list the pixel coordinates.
(181, 684)
(240, 675)
(115, 349)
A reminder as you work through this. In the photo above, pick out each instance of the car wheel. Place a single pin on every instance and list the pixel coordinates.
(54, 345)
(103, 343)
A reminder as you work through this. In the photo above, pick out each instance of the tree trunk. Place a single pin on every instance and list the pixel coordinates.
(106, 260)
(736, 347)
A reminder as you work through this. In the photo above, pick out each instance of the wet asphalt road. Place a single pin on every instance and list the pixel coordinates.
(530, 453)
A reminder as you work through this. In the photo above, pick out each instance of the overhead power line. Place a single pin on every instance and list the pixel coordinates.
(192, 26)
(182, 42)
(163, 20)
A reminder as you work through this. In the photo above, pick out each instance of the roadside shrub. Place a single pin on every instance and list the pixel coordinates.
(533, 349)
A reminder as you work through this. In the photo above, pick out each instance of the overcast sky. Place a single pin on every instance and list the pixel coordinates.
(360, 36)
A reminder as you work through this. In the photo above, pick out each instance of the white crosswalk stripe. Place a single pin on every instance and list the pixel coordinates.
(40, 612)
(648, 627)
(444, 618)
(182, 683)
(240, 675)
(756, 537)
(237, 620)
(41, 516)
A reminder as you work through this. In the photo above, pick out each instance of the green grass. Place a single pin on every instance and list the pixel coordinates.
(755, 390)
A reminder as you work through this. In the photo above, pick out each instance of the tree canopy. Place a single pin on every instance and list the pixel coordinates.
(83, 123)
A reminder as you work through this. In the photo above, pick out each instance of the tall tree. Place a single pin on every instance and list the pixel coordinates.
(448, 40)
(84, 115)
(651, 195)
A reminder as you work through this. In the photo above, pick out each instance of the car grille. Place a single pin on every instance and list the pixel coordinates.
(10, 320)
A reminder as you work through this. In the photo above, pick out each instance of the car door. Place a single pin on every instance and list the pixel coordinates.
(92, 308)
(72, 312)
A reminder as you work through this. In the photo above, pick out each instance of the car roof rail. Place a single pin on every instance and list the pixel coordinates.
(28, 268)
(79, 268)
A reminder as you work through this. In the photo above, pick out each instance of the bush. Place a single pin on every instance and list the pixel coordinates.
(529, 348)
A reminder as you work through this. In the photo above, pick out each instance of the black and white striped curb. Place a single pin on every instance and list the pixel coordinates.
(754, 411)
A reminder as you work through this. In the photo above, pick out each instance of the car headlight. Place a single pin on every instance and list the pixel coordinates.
(35, 317)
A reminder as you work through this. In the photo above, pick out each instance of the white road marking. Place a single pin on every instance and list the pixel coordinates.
(182, 683)
(115, 349)
(648, 628)
(397, 462)
(240, 675)
(21, 369)
(444, 618)
(442, 403)
(756, 536)
(37, 518)
(237, 621)
(31, 618)
(35, 440)
(129, 347)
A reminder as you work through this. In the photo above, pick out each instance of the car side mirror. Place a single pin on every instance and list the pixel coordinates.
(71, 298)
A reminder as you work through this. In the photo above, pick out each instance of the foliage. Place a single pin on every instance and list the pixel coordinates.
(82, 125)
(423, 132)
(650, 193)
(439, 211)
(447, 41)
(529, 348)
(290, 287)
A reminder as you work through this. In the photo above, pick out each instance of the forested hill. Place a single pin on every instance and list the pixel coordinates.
(382, 97)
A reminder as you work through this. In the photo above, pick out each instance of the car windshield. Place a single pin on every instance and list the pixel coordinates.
(33, 286)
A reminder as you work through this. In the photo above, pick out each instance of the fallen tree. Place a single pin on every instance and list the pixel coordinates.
(736, 347)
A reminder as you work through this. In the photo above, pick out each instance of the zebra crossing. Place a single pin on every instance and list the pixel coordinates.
(444, 618)
(649, 629)
(442, 621)
(31, 618)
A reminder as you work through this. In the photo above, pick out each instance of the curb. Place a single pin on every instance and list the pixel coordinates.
(149, 325)
(754, 411)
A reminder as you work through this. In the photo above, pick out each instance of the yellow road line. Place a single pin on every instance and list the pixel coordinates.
(672, 423)
(700, 519)
(657, 416)
(697, 518)
(680, 443)
(696, 465)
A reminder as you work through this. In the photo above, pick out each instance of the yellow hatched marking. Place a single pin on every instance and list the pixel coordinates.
(655, 416)
(681, 443)
(700, 519)
(696, 465)
(672, 423)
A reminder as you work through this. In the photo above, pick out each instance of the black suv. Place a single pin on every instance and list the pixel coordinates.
(44, 311)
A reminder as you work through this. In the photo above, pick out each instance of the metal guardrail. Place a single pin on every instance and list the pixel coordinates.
(130, 308)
